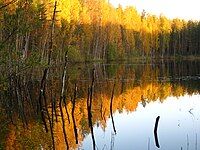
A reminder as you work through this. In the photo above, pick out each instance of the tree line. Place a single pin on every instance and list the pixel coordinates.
(90, 30)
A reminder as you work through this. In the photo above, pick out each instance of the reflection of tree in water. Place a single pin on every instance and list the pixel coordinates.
(140, 84)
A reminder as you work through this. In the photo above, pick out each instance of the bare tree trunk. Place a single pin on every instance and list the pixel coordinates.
(45, 73)
(25, 52)
(62, 99)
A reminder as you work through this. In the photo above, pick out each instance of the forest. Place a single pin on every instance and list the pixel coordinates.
(34, 31)
(52, 79)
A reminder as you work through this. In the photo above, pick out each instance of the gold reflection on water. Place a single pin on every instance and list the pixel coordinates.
(144, 92)
(127, 101)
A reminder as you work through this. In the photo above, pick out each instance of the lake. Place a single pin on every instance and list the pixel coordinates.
(115, 106)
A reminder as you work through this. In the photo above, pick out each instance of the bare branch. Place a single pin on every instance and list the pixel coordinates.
(7, 4)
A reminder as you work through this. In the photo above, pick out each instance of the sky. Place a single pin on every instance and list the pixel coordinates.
(185, 9)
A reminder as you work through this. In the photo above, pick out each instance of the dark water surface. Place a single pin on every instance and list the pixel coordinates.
(116, 111)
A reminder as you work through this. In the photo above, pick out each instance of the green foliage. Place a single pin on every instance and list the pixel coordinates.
(112, 52)
(112, 70)
(74, 54)
(34, 60)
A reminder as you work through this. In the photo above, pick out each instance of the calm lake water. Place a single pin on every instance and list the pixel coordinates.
(178, 126)
(115, 111)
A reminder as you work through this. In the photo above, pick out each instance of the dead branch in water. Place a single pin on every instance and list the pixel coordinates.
(89, 109)
(155, 132)
(111, 112)
(73, 118)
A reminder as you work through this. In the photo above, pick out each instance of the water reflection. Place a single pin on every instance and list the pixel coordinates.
(177, 127)
(117, 103)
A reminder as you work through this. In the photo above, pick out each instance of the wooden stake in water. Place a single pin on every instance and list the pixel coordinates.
(155, 132)
(111, 112)
(73, 117)
(89, 109)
